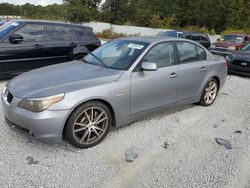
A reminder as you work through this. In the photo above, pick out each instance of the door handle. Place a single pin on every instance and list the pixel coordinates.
(38, 46)
(173, 75)
(203, 69)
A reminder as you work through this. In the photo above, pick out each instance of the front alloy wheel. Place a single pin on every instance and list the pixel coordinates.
(88, 125)
(209, 93)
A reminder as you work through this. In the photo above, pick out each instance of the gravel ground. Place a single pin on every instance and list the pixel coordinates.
(192, 159)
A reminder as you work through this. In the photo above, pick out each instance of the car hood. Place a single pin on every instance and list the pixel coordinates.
(241, 55)
(225, 44)
(60, 78)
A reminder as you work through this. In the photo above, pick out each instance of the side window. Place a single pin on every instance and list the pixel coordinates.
(161, 54)
(189, 37)
(60, 33)
(203, 38)
(187, 52)
(201, 53)
(195, 37)
(32, 32)
(80, 33)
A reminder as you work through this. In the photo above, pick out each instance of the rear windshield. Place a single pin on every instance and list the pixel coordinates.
(7, 28)
(171, 34)
(233, 38)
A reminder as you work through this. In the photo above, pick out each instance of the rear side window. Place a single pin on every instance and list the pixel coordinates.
(195, 37)
(201, 53)
(161, 54)
(60, 33)
(32, 32)
(84, 33)
(203, 38)
(189, 52)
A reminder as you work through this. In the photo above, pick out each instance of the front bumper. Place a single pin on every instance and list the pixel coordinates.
(235, 69)
(46, 126)
(221, 53)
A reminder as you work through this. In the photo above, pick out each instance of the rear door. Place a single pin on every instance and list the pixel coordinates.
(192, 70)
(61, 40)
(25, 55)
(153, 89)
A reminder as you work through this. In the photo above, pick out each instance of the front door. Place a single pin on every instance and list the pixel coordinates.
(152, 89)
(27, 54)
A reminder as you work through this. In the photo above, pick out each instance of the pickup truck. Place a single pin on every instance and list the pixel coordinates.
(229, 44)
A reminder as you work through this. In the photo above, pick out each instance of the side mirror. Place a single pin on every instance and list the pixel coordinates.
(149, 66)
(15, 38)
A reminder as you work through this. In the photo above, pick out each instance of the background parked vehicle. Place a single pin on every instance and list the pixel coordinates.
(229, 44)
(28, 44)
(239, 61)
(2, 22)
(201, 38)
(119, 83)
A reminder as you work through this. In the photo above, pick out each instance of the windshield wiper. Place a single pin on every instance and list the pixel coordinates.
(99, 60)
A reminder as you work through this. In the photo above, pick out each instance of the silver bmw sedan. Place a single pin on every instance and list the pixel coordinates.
(119, 83)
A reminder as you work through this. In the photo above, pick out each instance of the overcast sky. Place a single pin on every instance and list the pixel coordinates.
(36, 2)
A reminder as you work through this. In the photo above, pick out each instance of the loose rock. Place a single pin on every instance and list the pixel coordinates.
(238, 132)
(130, 155)
(224, 143)
(165, 145)
(31, 161)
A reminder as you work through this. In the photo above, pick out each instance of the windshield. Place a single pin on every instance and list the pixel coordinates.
(171, 34)
(233, 38)
(118, 54)
(246, 48)
(6, 28)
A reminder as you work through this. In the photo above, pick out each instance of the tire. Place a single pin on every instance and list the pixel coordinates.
(88, 125)
(209, 93)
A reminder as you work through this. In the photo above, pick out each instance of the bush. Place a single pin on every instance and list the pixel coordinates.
(110, 34)
(235, 31)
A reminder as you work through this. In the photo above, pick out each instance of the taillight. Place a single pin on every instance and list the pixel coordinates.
(226, 63)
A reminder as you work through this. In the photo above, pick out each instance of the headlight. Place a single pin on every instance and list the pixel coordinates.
(233, 48)
(212, 46)
(40, 104)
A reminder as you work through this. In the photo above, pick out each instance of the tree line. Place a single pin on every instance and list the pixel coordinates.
(212, 15)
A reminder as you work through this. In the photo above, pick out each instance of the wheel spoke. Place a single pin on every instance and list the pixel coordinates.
(92, 114)
(98, 117)
(80, 124)
(98, 128)
(86, 114)
(98, 122)
(80, 129)
(96, 132)
(84, 136)
(89, 135)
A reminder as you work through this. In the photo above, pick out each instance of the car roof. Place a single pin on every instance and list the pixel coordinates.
(152, 39)
(50, 22)
(185, 32)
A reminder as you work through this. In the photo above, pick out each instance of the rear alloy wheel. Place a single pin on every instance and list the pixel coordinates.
(210, 93)
(88, 125)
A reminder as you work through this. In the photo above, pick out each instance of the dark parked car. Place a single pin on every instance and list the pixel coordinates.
(229, 44)
(239, 61)
(2, 22)
(26, 44)
(201, 38)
